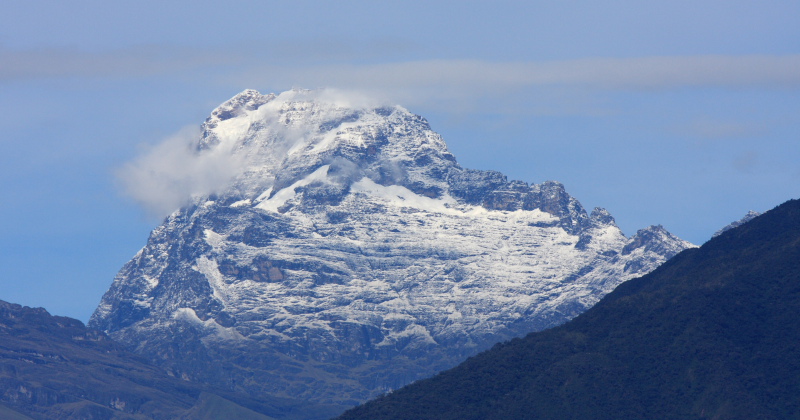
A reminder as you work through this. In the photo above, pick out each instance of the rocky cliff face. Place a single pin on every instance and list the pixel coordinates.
(352, 254)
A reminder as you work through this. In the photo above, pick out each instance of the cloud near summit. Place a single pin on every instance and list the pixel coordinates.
(166, 176)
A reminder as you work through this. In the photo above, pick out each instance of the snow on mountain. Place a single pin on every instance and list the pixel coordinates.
(747, 217)
(351, 254)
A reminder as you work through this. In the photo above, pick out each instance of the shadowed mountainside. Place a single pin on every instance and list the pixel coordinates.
(53, 367)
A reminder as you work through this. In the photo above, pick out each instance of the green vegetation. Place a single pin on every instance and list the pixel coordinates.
(712, 334)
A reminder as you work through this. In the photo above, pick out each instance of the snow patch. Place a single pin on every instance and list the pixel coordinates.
(213, 238)
(288, 193)
(415, 332)
(210, 325)
(400, 196)
(241, 203)
(210, 270)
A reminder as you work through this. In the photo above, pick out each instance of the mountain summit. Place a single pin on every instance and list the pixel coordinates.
(350, 254)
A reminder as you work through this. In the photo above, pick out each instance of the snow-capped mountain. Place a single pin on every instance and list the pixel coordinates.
(351, 254)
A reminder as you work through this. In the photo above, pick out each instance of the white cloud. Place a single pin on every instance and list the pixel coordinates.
(346, 98)
(168, 175)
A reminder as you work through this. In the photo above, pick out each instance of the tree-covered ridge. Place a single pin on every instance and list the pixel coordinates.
(711, 334)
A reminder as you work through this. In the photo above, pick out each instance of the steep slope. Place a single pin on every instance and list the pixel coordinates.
(351, 254)
(55, 368)
(711, 334)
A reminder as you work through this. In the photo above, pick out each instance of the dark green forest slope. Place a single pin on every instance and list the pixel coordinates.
(714, 333)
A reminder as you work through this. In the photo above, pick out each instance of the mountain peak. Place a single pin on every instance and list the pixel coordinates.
(654, 238)
(278, 140)
(601, 216)
(247, 100)
(747, 217)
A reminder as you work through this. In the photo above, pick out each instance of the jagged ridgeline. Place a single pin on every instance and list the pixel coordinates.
(351, 254)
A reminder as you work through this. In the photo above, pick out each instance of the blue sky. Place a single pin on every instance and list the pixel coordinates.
(680, 113)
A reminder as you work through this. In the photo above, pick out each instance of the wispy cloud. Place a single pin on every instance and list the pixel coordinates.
(256, 67)
(452, 76)
(166, 176)
(714, 129)
(556, 87)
